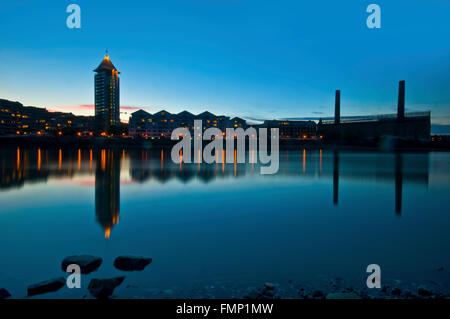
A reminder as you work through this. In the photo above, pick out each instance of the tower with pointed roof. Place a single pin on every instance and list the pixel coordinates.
(107, 99)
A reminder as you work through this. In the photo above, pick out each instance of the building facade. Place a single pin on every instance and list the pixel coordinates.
(162, 123)
(293, 129)
(107, 98)
(16, 119)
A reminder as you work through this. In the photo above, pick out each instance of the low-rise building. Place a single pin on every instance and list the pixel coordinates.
(28, 120)
(162, 123)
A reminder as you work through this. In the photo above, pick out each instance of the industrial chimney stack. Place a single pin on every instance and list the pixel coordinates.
(337, 107)
(401, 101)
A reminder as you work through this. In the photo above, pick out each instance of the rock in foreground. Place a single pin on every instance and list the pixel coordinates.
(4, 293)
(343, 295)
(87, 263)
(131, 263)
(424, 292)
(267, 292)
(103, 288)
(46, 286)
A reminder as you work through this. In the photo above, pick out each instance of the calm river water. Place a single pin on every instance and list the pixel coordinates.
(325, 214)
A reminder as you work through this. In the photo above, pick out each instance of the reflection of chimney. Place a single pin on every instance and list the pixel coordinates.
(335, 177)
(398, 183)
(401, 101)
(337, 107)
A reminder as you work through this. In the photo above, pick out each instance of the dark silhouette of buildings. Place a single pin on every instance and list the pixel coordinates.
(17, 119)
(292, 129)
(407, 126)
(107, 99)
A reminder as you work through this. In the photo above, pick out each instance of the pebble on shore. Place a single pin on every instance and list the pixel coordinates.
(46, 286)
(104, 288)
(4, 293)
(131, 263)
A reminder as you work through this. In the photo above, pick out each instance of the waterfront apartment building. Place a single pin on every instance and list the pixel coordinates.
(16, 119)
(107, 99)
(162, 123)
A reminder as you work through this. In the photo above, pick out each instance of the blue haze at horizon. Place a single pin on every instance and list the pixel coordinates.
(245, 229)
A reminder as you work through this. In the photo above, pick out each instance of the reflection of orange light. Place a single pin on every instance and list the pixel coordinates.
(320, 161)
(223, 161)
(235, 155)
(59, 159)
(103, 160)
(253, 158)
(304, 160)
(162, 159)
(107, 232)
(123, 155)
(18, 158)
(39, 160)
(79, 159)
(90, 159)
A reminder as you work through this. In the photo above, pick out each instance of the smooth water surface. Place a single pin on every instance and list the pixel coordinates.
(324, 214)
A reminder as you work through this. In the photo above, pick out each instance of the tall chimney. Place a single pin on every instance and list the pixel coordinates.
(401, 100)
(337, 107)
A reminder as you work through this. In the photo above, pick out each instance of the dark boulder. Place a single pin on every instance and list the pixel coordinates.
(131, 263)
(46, 286)
(266, 292)
(317, 294)
(4, 293)
(424, 292)
(103, 288)
(396, 292)
(87, 263)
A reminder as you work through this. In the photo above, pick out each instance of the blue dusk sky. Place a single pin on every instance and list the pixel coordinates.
(255, 59)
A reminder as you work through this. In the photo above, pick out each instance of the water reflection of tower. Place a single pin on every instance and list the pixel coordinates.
(107, 189)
